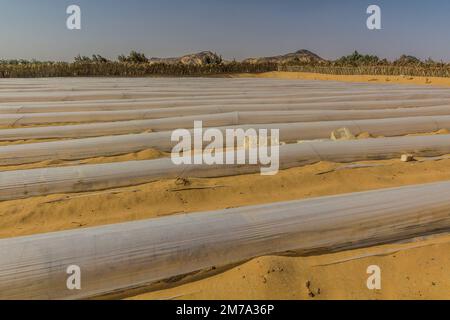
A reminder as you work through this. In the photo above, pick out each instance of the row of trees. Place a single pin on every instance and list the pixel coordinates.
(364, 64)
(139, 57)
(137, 64)
(133, 57)
(126, 69)
(355, 59)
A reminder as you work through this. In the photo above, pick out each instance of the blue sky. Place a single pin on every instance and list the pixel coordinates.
(233, 28)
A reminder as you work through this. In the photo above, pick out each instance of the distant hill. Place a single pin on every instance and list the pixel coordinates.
(407, 60)
(302, 56)
(199, 59)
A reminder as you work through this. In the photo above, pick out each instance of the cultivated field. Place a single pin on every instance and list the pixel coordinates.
(86, 179)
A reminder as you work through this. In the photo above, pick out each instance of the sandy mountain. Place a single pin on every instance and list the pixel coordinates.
(304, 56)
(200, 58)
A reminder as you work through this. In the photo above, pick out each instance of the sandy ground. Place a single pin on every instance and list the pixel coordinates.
(432, 81)
(147, 154)
(67, 211)
(416, 270)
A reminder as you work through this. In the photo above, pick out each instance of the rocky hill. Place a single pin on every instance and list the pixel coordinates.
(405, 60)
(199, 59)
(300, 56)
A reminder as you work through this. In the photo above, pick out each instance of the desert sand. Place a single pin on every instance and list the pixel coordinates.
(431, 81)
(166, 197)
(340, 275)
(419, 269)
(415, 270)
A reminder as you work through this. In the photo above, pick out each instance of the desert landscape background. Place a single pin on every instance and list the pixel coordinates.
(137, 64)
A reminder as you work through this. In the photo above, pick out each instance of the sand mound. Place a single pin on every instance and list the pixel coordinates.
(68, 211)
(147, 154)
(333, 276)
(435, 81)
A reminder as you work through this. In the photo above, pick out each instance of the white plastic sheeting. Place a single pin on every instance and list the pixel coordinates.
(131, 255)
(62, 89)
(125, 256)
(210, 120)
(27, 183)
(276, 101)
(289, 132)
(302, 115)
(67, 96)
(119, 127)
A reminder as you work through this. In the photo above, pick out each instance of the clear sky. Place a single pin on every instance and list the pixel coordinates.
(233, 28)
